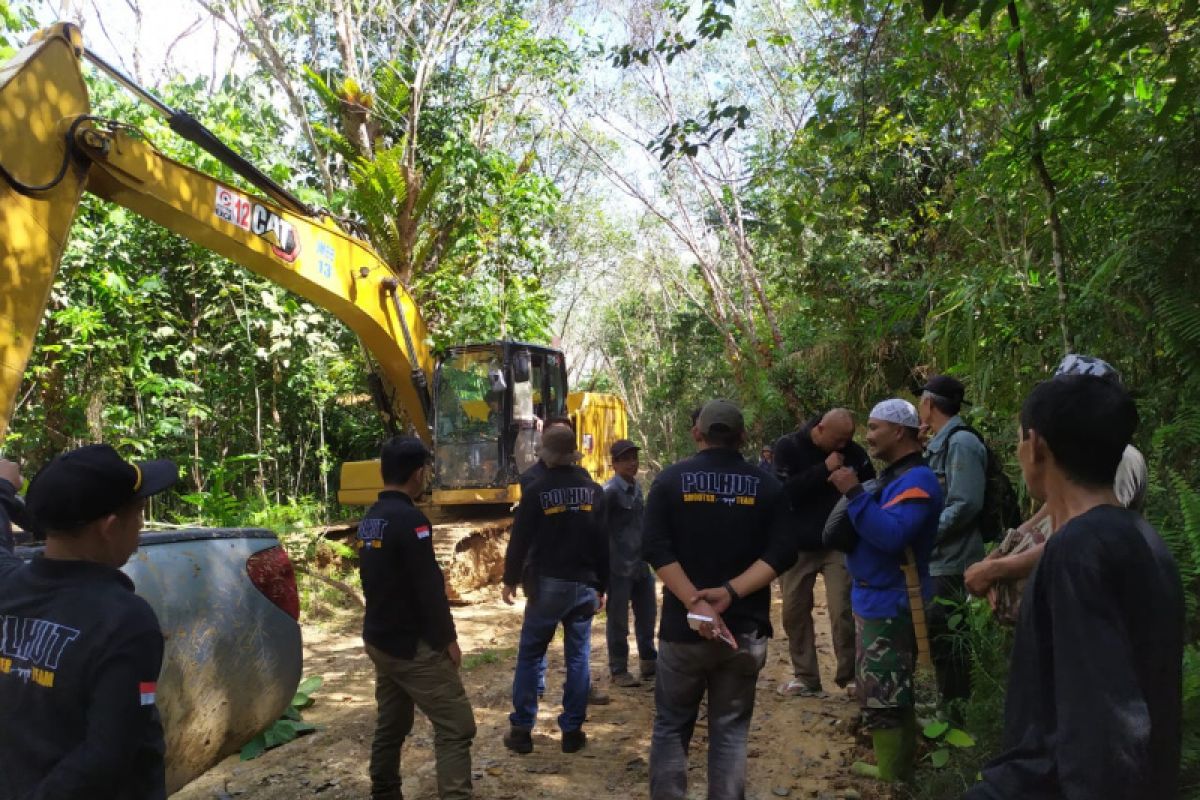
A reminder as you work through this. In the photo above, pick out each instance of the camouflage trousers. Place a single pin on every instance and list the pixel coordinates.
(885, 657)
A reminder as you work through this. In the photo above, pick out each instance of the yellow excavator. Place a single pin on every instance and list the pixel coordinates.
(481, 407)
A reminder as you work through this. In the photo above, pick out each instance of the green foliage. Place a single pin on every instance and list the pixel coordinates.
(956, 753)
(1180, 528)
(1190, 779)
(290, 725)
(944, 738)
(460, 221)
(712, 22)
(1182, 534)
(476, 660)
(15, 24)
(164, 349)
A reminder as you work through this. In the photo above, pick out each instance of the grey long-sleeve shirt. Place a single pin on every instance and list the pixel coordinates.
(623, 511)
(960, 462)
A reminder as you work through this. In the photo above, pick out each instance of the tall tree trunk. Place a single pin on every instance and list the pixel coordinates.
(1036, 150)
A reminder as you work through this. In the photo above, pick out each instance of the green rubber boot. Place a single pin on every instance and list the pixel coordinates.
(889, 745)
(895, 752)
(889, 753)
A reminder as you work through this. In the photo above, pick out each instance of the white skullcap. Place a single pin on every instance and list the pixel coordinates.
(900, 412)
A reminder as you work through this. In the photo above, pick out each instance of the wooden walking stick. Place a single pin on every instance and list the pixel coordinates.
(916, 604)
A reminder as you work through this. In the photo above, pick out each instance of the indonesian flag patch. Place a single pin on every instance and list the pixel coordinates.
(147, 690)
(422, 532)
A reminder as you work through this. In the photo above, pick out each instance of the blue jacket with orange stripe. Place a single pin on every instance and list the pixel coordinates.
(905, 514)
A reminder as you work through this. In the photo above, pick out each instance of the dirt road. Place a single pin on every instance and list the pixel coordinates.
(799, 748)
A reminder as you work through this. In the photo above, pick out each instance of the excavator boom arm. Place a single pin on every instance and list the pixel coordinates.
(51, 150)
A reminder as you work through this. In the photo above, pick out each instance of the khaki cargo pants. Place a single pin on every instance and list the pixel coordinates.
(430, 682)
(796, 586)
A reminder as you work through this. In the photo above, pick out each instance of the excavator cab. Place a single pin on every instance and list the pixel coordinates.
(492, 402)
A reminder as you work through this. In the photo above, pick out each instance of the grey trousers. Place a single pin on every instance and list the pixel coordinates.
(430, 682)
(686, 671)
(623, 593)
(796, 585)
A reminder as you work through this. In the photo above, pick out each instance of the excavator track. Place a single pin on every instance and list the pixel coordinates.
(469, 544)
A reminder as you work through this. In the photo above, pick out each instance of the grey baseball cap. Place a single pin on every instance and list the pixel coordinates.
(720, 413)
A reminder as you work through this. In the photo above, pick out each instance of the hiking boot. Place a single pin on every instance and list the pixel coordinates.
(798, 688)
(648, 668)
(573, 741)
(597, 696)
(519, 740)
(624, 680)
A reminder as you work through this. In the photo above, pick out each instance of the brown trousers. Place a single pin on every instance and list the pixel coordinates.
(428, 681)
(796, 586)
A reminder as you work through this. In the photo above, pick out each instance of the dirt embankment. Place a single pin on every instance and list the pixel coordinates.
(799, 748)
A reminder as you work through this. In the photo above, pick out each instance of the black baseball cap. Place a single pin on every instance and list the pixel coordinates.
(89, 483)
(945, 386)
(620, 447)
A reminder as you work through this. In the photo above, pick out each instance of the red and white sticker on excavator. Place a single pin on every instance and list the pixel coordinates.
(259, 220)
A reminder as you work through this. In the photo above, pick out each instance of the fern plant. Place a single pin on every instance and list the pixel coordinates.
(1182, 536)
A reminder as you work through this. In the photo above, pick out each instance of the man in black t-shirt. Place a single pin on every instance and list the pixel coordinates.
(408, 631)
(558, 553)
(1095, 690)
(710, 534)
(80, 653)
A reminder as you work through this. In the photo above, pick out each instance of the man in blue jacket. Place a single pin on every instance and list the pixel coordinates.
(895, 522)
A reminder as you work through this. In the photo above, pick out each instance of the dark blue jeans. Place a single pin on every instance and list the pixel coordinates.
(636, 591)
(686, 671)
(573, 604)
